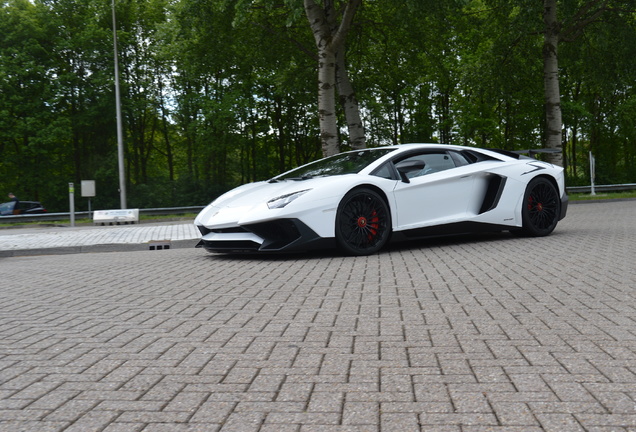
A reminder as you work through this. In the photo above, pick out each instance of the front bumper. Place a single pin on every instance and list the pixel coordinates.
(281, 235)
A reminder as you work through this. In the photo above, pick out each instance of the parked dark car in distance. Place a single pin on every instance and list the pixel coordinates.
(12, 208)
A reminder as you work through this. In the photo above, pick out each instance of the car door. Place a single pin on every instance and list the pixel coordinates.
(440, 192)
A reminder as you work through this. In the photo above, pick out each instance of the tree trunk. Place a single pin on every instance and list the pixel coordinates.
(349, 103)
(165, 130)
(279, 123)
(328, 42)
(552, 94)
(575, 133)
(327, 102)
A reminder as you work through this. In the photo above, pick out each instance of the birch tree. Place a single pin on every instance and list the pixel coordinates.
(552, 95)
(556, 31)
(330, 37)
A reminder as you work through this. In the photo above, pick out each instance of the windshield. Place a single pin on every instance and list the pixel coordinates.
(343, 163)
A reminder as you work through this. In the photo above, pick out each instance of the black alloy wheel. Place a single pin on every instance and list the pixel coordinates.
(363, 222)
(541, 207)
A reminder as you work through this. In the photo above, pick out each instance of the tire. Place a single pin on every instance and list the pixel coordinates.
(541, 208)
(363, 222)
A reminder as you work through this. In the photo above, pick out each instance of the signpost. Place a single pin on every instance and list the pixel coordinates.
(71, 199)
(592, 172)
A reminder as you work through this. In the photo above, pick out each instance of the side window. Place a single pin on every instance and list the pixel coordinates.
(461, 159)
(433, 162)
(436, 162)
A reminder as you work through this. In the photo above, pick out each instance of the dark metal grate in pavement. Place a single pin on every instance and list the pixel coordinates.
(159, 245)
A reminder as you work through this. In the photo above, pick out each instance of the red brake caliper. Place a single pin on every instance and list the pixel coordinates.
(374, 225)
(538, 206)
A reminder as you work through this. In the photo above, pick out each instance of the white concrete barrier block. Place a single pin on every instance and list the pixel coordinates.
(116, 216)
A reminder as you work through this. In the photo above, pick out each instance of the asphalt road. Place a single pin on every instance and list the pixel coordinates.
(477, 333)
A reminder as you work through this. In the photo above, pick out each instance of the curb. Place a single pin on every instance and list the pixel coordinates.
(118, 247)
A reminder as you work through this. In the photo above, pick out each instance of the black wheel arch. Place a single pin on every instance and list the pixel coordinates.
(551, 180)
(379, 192)
(374, 189)
(530, 227)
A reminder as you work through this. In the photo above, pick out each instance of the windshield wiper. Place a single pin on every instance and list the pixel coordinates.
(290, 178)
(300, 178)
(303, 177)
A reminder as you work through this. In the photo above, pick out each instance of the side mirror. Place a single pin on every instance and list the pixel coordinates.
(409, 166)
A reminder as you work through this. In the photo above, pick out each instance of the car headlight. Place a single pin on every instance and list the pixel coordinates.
(283, 200)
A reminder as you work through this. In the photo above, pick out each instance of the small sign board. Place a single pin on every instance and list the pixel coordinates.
(88, 188)
(116, 216)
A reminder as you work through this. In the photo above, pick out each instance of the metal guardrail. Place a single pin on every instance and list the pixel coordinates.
(601, 188)
(195, 209)
(49, 217)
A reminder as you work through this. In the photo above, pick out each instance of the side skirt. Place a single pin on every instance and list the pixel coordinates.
(449, 229)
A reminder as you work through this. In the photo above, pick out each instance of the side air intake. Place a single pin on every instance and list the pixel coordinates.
(493, 193)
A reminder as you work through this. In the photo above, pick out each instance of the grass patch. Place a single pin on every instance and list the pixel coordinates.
(185, 216)
(602, 196)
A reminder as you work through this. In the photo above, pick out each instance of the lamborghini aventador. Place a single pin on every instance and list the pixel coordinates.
(360, 200)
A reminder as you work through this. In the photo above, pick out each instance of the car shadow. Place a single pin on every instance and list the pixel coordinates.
(397, 246)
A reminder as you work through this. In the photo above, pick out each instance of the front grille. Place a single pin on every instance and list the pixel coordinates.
(231, 246)
(237, 229)
(277, 234)
(204, 230)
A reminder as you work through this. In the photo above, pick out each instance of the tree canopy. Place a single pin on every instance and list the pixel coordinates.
(218, 93)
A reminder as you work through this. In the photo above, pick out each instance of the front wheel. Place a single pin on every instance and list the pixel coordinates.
(363, 222)
(541, 208)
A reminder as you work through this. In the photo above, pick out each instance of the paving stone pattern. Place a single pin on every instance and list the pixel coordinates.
(477, 333)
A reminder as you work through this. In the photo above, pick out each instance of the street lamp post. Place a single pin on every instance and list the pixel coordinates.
(120, 132)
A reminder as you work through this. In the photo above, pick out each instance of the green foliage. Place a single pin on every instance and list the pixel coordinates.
(216, 93)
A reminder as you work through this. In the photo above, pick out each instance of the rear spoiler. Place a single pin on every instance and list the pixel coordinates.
(518, 154)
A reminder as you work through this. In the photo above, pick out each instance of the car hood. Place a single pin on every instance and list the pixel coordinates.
(256, 193)
(230, 207)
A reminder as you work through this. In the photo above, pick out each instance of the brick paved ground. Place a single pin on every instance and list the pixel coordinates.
(469, 334)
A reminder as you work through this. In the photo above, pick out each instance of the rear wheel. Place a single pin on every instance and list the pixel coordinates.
(363, 222)
(541, 208)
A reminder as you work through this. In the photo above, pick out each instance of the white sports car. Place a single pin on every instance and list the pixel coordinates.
(361, 199)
